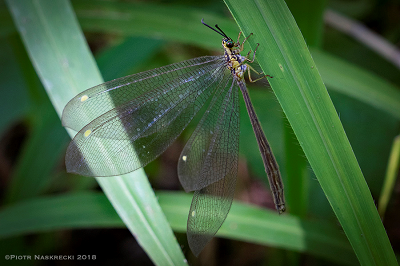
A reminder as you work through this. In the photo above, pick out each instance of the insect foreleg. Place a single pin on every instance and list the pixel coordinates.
(245, 39)
(238, 40)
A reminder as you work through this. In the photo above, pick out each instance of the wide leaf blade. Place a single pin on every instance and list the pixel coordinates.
(299, 88)
(66, 67)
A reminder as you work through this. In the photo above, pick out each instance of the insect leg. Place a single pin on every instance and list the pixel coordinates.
(237, 42)
(245, 39)
(254, 54)
(259, 73)
(249, 67)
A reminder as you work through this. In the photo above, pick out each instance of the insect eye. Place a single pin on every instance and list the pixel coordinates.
(229, 44)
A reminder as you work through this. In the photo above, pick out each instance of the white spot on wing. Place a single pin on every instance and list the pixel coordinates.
(84, 98)
(87, 133)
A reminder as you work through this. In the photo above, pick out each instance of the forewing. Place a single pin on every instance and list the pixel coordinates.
(98, 100)
(135, 133)
(211, 204)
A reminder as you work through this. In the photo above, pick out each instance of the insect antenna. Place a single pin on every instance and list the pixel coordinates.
(219, 32)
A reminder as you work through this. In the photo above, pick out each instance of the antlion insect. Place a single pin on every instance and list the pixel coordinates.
(126, 123)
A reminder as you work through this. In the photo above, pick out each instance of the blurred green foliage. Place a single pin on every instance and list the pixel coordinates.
(33, 143)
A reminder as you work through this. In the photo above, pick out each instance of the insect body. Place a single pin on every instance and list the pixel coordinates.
(235, 61)
(126, 123)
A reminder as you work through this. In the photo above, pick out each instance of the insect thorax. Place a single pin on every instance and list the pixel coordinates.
(235, 63)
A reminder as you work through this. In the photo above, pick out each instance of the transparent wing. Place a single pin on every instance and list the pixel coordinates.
(206, 157)
(135, 133)
(94, 102)
(211, 204)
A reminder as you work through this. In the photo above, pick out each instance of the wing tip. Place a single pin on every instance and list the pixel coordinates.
(197, 242)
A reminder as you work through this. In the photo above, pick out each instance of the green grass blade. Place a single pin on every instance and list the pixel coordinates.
(118, 61)
(15, 103)
(244, 222)
(177, 23)
(309, 17)
(390, 177)
(262, 226)
(297, 176)
(357, 83)
(184, 26)
(303, 96)
(65, 66)
(33, 175)
(42, 214)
